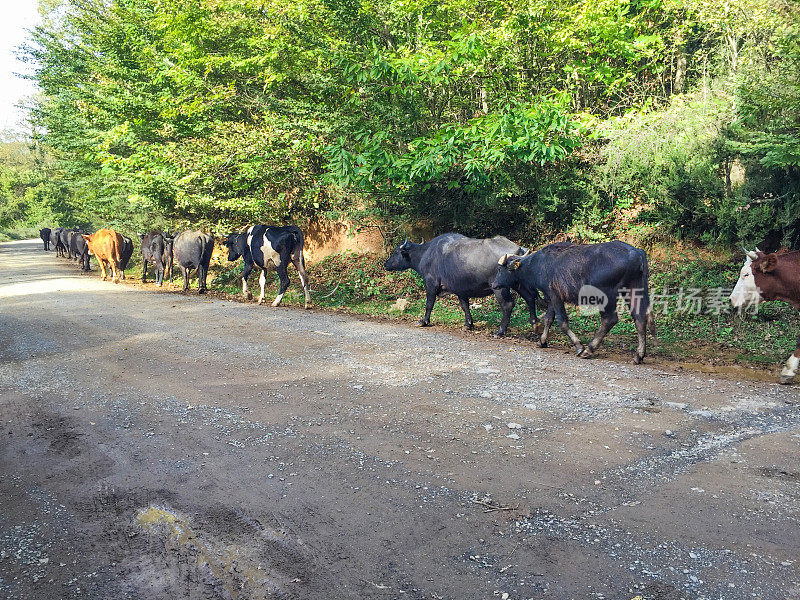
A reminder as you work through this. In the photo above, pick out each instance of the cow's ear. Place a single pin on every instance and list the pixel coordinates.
(86, 237)
(769, 264)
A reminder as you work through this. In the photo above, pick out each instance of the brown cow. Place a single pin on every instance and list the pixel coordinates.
(771, 277)
(106, 245)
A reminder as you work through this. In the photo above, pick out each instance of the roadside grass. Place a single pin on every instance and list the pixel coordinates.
(357, 283)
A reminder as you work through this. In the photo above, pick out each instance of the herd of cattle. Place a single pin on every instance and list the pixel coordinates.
(556, 275)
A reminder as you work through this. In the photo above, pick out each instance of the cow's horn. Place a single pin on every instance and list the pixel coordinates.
(750, 254)
(503, 260)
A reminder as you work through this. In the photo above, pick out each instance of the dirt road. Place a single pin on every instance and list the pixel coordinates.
(155, 445)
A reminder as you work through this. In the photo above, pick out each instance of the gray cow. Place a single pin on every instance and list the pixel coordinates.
(192, 250)
(465, 267)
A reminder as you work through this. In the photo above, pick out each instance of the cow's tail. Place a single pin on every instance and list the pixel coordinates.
(646, 303)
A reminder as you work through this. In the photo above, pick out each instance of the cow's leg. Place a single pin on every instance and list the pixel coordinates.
(608, 319)
(262, 281)
(530, 301)
(506, 301)
(790, 368)
(102, 268)
(114, 270)
(430, 300)
(284, 277)
(300, 265)
(463, 302)
(563, 323)
(248, 268)
(185, 273)
(202, 275)
(144, 271)
(159, 267)
(547, 322)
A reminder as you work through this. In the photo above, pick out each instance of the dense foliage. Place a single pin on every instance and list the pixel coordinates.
(528, 118)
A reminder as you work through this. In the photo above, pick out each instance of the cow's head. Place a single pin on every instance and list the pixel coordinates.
(507, 272)
(234, 245)
(752, 278)
(400, 258)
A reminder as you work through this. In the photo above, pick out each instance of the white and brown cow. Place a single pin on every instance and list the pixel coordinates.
(767, 277)
(261, 245)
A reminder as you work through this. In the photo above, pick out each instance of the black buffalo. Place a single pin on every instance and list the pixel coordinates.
(261, 245)
(125, 254)
(157, 250)
(455, 264)
(55, 240)
(79, 249)
(587, 275)
(192, 250)
(45, 235)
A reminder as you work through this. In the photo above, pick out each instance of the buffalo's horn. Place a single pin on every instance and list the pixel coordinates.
(529, 252)
(404, 244)
(750, 254)
(503, 260)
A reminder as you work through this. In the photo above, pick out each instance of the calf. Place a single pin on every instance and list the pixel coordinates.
(586, 275)
(125, 254)
(45, 235)
(106, 245)
(157, 250)
(465, 267)
(767, 277)
(261, 245)
(192, 250)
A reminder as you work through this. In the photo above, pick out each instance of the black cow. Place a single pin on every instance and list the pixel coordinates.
(261, 245)
(587, 275)
(80, 250)
(454, 264)
(157, 250)
(125, 255)
(55, 240)
(192, 250)
(45, 235)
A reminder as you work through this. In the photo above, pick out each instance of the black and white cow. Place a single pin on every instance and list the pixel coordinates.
(192, 250)
(45, 235)
(125, 255)
(261, 245)
(465, 267)
(586, 275)
(157, 250)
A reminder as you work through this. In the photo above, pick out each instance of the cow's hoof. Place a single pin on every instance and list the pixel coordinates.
(637, 360)
(541, 344)
(468, 327)
(160, 285)
(105, 278)
(586, 353)
(423, 324)
(248, 296)
(499, 333)
(201, 291)
(275, 304)
(261, 301)
(307, 307)
(786, 379)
